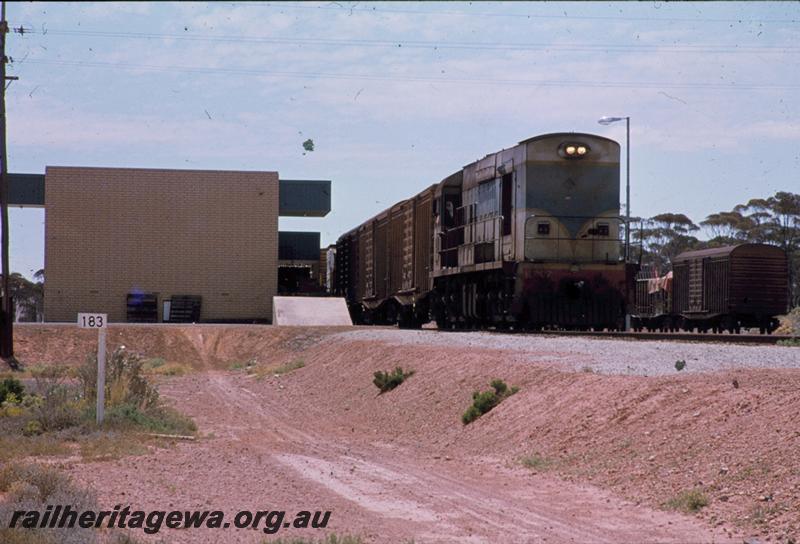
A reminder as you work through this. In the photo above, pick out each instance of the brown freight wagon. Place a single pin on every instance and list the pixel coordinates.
(730, 287)
(346, 272)
(387, 260)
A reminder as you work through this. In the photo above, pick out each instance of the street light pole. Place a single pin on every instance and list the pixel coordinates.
(608, 121)
(627, 189)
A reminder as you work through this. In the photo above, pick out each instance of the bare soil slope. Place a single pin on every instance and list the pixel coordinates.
(611, 450)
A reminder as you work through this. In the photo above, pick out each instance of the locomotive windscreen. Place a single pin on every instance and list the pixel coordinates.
(573, 190)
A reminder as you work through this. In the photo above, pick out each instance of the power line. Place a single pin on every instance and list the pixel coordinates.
(417, 44)
(735, 86)
(565, 16)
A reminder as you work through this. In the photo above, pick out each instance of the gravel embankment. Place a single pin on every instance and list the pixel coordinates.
(602, 355)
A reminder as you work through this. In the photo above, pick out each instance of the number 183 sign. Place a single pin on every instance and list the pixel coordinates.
(92, 321)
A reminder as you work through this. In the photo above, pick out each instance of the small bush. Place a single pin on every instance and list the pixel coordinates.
(13, 406)
(536, 462)
(171, 369)
(680, 365)
(484, 401)
(125, 382)
(286, 368)
(243, 365)
(159, 419)
(790, 342)
(155, 362)
(688, 501)
(32, 428)
(32, 487)
(262, 371)
(11, 386)
(45, 479)
(57, 404)
(386, 381)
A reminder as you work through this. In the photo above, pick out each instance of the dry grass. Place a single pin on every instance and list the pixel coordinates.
(279, 370)
(17, 446)
(160, 367)
(690, 501)
(537, 462)
(111, 446)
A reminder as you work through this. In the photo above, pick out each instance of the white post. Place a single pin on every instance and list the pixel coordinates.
(101, 374)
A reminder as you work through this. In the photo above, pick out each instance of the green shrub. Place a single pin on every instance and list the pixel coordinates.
(11, 386)
(32, 428)
(688, 501)
(125, 381)
(386, 381)
(680, 365)
(484, 401)
(790, 342)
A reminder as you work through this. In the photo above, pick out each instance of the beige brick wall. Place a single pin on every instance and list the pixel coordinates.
(109, 231)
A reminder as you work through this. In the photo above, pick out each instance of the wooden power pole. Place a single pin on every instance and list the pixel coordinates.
(7, 324)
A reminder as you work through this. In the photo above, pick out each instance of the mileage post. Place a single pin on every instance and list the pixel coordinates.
(99, 322)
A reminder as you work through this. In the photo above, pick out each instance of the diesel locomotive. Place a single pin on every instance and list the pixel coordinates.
(527, 237)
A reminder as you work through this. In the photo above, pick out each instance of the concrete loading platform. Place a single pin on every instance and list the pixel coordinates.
(310, 311)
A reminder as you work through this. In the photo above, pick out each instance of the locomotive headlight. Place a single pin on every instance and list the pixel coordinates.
(573, 150)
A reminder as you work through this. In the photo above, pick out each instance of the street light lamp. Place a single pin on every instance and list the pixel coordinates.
(608, 121)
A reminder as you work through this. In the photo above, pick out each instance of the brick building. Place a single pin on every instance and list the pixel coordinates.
(113, 232)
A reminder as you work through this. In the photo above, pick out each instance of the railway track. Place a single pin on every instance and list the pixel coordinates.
(766, 339)
(676, 336)
(724, 338)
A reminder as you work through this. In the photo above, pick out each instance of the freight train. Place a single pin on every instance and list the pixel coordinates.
(525, 237)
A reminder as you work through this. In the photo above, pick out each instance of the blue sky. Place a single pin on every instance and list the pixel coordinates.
(398, 95)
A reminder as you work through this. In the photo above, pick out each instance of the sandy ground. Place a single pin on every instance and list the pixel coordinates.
(401, 465)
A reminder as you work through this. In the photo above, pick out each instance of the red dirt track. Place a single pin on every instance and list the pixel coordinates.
(401, 465)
